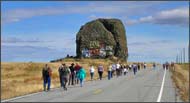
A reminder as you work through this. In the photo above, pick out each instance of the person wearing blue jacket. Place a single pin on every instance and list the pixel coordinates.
(81, 75)
(134, 66)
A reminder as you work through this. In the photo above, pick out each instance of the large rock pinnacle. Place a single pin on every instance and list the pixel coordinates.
(102, 38)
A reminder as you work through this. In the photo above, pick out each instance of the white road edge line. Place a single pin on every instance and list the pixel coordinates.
(24, 96)
(162, 86)
(11, 99)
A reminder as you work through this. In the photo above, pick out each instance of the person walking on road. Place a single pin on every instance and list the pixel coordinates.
(130, 67)
(46, 75)
(92, 70)
(100, 71)
(81, 75)
(72, 75)
(138, 66)
(60, 78)
(154, 66)
(144, 65)
(134, 66)
(167, 65)
(109, 71)
(164, 66)
(113, 70)
(125, 71)
(117, 69)
(77, 68)
(120, 70)
(65, 73)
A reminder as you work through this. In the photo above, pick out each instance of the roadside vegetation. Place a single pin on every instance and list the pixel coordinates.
(180, 78)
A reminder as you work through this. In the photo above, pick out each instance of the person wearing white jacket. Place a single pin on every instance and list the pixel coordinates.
(117, 69)
(92, 70)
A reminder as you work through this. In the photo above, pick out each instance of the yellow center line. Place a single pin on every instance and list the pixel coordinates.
(97, 91)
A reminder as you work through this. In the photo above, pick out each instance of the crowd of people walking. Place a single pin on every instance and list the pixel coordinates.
(75, 73)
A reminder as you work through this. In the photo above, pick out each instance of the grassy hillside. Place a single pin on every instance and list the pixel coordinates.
(181, 80)
(23, 78)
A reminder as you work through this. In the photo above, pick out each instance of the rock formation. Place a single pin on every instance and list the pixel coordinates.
(102, 38)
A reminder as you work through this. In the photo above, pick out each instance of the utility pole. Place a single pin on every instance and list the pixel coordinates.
(188, 54)
(179, 57)
(183, 55)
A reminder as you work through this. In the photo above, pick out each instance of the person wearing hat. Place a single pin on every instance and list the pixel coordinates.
(65, 73)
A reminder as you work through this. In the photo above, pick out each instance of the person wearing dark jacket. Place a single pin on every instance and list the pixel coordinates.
(46, 75)
(65, 73)
(164, 65)
(59, 70)
(138, 66)
(167, 65)
(100, 71)
(134, 66)
(72, 75)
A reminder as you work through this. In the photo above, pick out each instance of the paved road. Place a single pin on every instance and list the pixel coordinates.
(143, 87)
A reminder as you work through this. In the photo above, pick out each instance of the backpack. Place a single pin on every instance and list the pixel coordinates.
(65, 71)
(45, 72)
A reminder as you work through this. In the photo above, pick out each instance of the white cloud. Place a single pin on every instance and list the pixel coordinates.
(92, 17)
(178, 16)
(19, 14)
(131, 22)
(146, 19)
(19, 40)
(119, 8)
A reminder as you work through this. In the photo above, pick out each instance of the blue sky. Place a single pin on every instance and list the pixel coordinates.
(40, 31)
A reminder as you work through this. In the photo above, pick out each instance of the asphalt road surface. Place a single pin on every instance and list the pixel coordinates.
(148, 85)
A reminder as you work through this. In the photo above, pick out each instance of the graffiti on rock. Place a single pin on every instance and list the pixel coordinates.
(97, 48)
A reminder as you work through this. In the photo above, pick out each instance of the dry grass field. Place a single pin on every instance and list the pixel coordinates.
(23, 78)
(181, 80)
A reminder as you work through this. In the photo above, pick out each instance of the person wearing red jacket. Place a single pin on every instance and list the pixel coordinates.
(77, 68)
